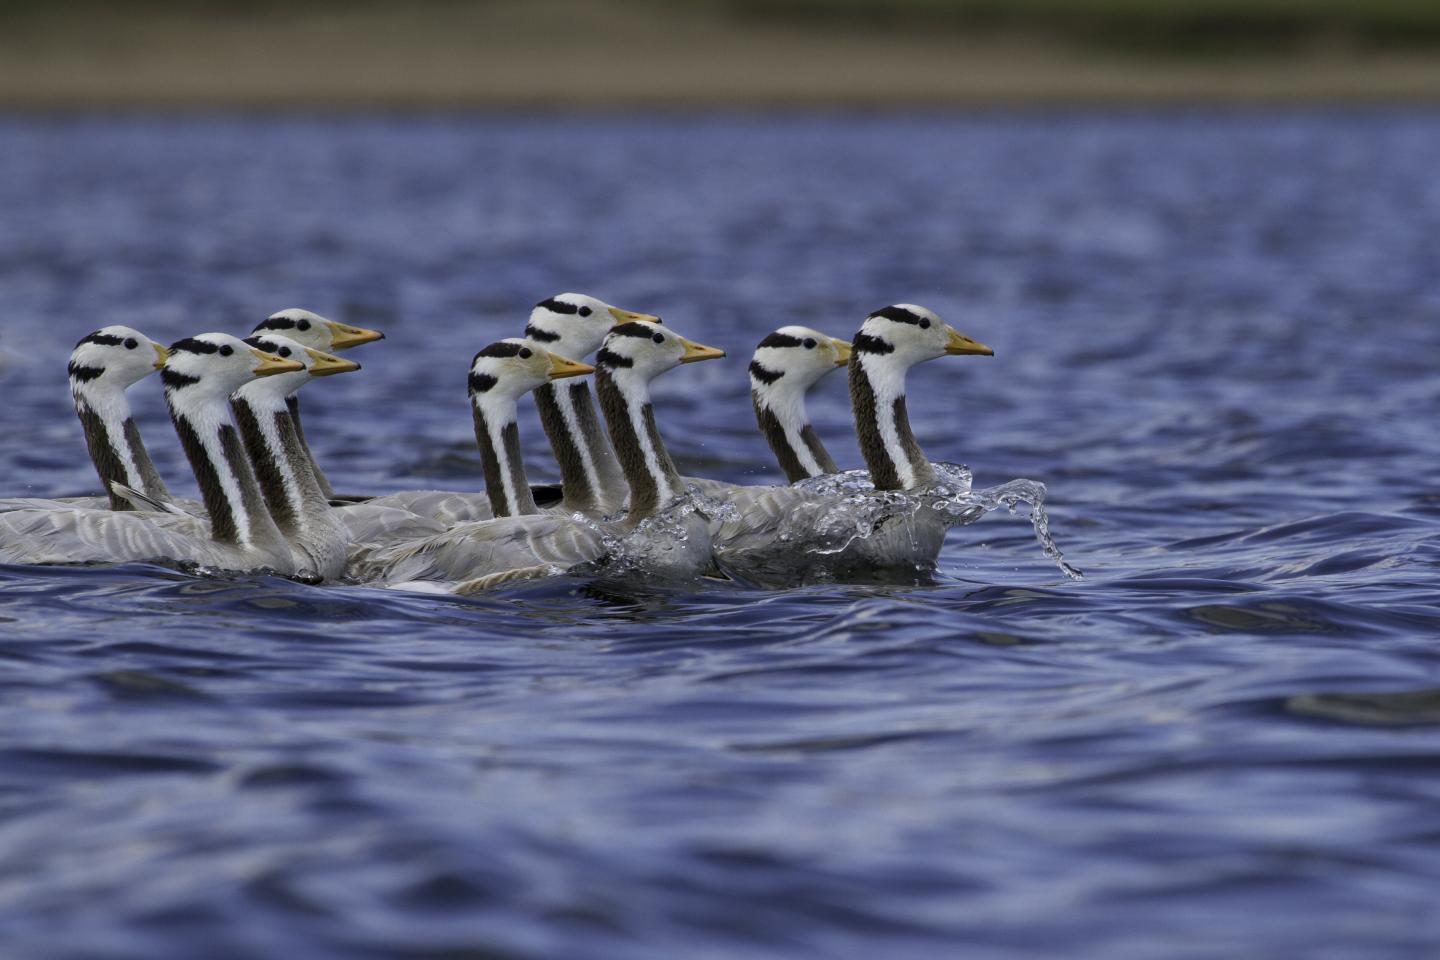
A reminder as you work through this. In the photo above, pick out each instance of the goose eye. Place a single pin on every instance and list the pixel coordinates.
(303, 324)
(924, 324)
(585, 311)
(131, 343)
(809, 343)
(658, 338)
(526, 353)
(226, 350)
(284, 351)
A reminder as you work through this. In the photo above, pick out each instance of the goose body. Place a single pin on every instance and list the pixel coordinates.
(317, 333)
(520, 537)
(783, 534)
(237, 534)
(102, 367)
(569, 325)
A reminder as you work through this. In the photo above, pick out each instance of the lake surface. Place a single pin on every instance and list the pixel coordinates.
(1217, 342)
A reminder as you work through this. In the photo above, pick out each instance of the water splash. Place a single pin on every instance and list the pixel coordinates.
(847, 508)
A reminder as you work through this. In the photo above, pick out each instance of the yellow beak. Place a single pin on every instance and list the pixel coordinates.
(960, 345)
(695, 352)
(625, 316)
(161, 355)
(326, 365)
(343, 336)
(842, 351)
(270, 364)
(560, 368)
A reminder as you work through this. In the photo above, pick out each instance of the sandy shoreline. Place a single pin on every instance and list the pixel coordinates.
(599, 53)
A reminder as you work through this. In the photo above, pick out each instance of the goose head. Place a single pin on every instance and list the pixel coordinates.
(895, 338)
(794, 359)
(212, 366)
(644, 351)
(574, 324)
(314, 331)
(314, 363)
(116, 357)
(508, 369)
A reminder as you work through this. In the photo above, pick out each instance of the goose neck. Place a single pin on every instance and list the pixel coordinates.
(498, 435)
(625, 401)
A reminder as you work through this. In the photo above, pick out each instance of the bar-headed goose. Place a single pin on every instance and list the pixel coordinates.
(521, 540)
(517, 540)
(569, 325)
(103, 365)
(574, 325)
(785, 366)
(314, 331)
(768, 537)
(199, 376)
(288, 483)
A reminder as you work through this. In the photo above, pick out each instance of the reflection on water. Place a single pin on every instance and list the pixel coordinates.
(1215, 347)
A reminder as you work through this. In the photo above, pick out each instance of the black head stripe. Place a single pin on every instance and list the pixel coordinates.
(540, 336)
(634, 328)
(500, 349)
(898, 314)
(103, 339)
(558, 306)
(275, 323)
(781, 340)
(260, 343)
(864, 343)
(763, 374)
(481, 382)
(174, 379)
(82, 373)
(612, 360)
(192, 345)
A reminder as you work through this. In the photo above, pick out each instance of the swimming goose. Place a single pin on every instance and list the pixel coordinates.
(785, 366)
(102, 367)
(781, 533)
(521, 541)
(288, 484)
(888, 344)
(199, 376)
(569, 325)
(518, 537)
(314, 331)
(574, 325)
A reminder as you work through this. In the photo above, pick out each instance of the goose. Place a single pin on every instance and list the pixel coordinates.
(522, 541)
(314, 331)
(288, 484)
(199, 376)
(569, 325)
(786, 364)
(574, 325)
(103, 366)
(784, 533)
(517, 540)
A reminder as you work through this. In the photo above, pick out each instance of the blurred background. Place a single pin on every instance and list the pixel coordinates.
(608, 52)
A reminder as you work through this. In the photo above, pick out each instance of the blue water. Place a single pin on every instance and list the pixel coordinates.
(1217, 341)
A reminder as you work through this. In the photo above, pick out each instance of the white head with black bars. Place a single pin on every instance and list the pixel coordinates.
(632, 355)
(314, 331)
(793, 359)
(786, 364)
(890, 342)
(111, 359)
(500, 375)
(638, 352)
(102, 366)
(575, 324)
(270, 392)
(210, 367)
